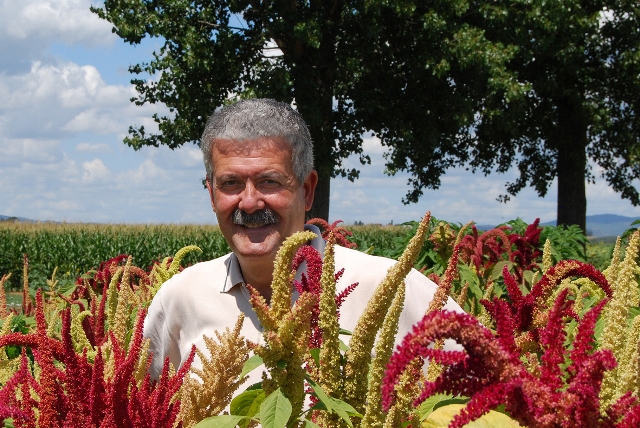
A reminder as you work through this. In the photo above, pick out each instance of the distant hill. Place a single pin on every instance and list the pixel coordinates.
(599, 225)
(10, 218)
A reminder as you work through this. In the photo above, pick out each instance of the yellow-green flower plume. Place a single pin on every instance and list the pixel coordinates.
(373, 416)
(616, 314)
(282, 275)
(330, 377)
(358, 357)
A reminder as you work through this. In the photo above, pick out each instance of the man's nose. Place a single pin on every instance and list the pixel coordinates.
(251, 199)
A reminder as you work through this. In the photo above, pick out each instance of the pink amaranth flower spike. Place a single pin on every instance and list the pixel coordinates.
(68, 390)
(491, 372)
(527, 249)
(310, 282)
(340, 233)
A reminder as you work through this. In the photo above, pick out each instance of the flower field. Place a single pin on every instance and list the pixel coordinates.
(548, 339)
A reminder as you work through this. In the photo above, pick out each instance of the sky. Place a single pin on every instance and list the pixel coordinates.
(65, 109)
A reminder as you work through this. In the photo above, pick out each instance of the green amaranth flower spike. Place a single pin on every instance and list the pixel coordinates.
(446, 281)
(330, 377)
(361, 344)
(282, 275)
(285, 350)
(373, 416)
(616, 314)
(629, 363)
(7, 366)
(78, 336)
(287, 328)
(112, 297)
(160, 271)
(547, 262)
(611, 272)
(125, 300)
(484, 317)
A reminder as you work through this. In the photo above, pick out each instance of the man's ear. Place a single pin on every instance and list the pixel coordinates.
(211, 197)
(310, 189)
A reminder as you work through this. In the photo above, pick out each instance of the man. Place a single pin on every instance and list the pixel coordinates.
(258, 157)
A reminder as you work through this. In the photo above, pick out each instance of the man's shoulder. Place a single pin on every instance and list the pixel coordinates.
(350, 257)
(366, 269)
(198, 273)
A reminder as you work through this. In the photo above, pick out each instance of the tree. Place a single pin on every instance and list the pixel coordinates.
(206, 57)
(541, 85)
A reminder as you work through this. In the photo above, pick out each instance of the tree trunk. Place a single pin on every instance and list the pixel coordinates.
(313, 80)
(317, 113)
(571, 164)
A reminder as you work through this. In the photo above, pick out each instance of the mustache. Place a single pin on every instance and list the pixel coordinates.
(258, 218)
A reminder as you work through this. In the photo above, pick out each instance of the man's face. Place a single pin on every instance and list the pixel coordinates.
(251, 178)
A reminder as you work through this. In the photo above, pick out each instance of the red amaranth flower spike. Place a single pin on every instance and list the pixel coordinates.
(490, 370)
(584, 341)
(552, 342)
(525, 308)
(485, 250)
(341, 234)
(527, 249)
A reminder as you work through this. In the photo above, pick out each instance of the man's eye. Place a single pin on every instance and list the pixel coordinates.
(227, 184)
(269, 183)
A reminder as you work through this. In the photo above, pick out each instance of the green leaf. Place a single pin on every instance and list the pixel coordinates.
(496, 272)
(345, 332)
(309, 424)
(468, 275)
(428, 405)
(443, 416)
(343, 346)
(222, 421)
(597, 330)
(275, 410)
(247, 404)
(252, 363)
(315, 354)
(343, 409)
(322, 396)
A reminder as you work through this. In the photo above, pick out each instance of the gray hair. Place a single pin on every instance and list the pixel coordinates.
(258, 118)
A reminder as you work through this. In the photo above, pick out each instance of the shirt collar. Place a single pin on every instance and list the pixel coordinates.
(234, 274)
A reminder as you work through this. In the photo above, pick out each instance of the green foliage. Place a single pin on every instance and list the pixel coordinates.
(275, 409)
(283, 50)
(599, 253)
(492, 85)
(77, 248)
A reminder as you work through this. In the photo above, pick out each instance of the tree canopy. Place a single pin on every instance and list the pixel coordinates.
(217, 49)
(532, 84)
(563, 85)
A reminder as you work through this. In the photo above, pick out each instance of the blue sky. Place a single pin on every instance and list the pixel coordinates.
(64, 110)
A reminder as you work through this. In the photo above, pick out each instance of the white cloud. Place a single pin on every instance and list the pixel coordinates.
(95, 121)
(27, 150)
(28, 28)
(94, 171)
(93, 148)
(148, 174)
(54, 101)
(190, 156)
(68, 21)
